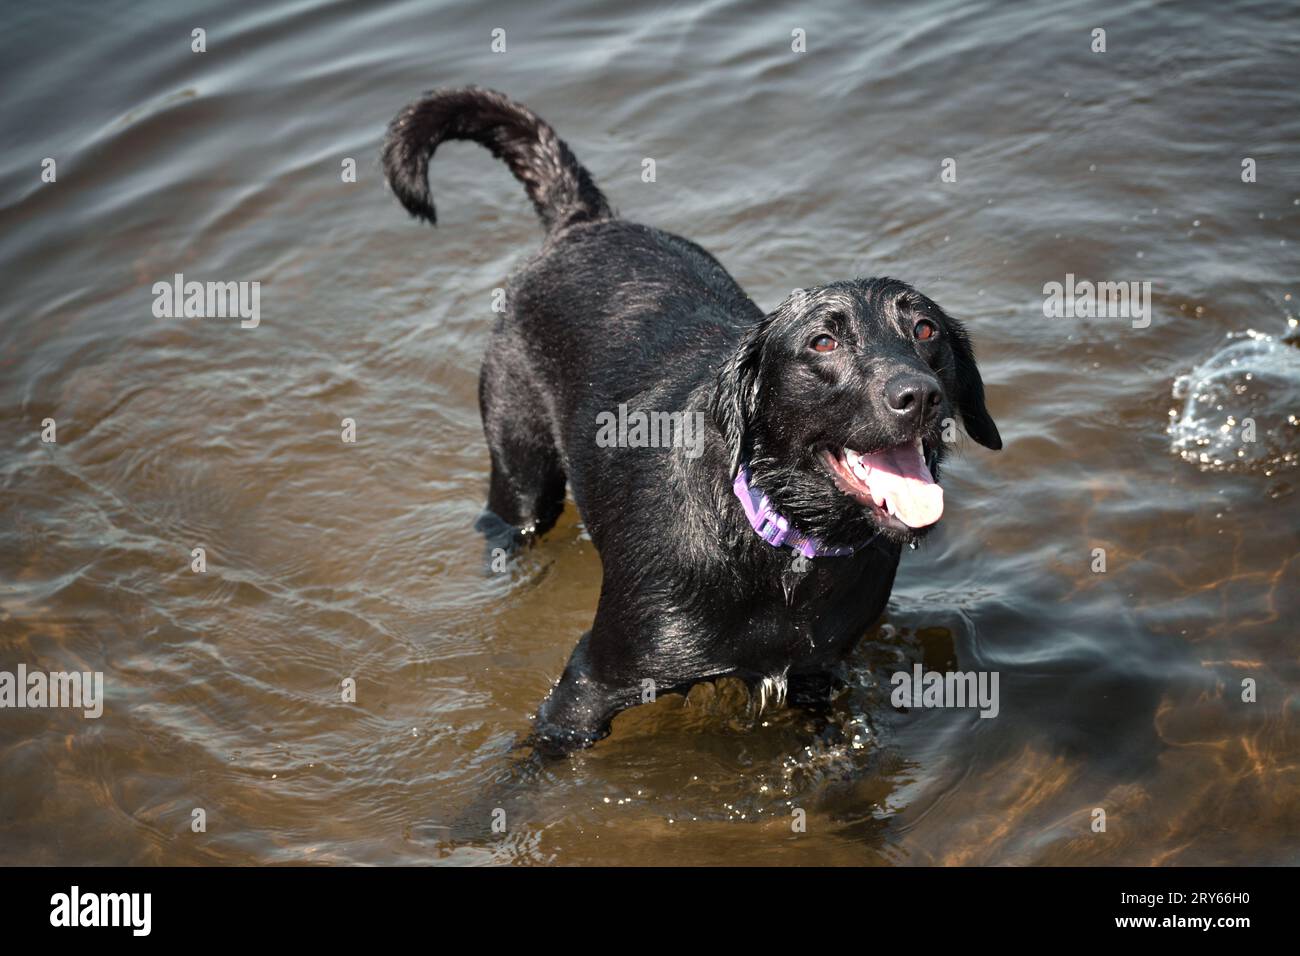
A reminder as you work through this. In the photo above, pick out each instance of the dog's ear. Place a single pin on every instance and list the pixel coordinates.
(735, 399)
(970, 390)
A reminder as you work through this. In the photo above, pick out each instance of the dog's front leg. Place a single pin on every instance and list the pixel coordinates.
(579, 709)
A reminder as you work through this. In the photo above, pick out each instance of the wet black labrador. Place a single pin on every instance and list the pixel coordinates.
(748, 479)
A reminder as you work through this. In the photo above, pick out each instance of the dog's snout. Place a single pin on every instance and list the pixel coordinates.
(913, 398)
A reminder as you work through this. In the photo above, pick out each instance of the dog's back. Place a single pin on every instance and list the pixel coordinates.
(613, 309)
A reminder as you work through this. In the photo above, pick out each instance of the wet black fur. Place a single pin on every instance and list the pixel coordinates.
(611, 312)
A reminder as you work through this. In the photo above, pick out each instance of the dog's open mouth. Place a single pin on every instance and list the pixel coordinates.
(894, 480)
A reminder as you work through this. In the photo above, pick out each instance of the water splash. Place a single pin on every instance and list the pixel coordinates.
(1253, 382)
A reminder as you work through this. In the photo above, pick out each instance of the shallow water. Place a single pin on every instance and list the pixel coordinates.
(1119, 690)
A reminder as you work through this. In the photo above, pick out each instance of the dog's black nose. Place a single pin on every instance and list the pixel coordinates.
(912, 397)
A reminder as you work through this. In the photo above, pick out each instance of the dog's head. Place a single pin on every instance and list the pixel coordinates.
(839, 401)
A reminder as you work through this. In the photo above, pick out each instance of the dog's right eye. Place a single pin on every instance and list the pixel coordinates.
(823, 343)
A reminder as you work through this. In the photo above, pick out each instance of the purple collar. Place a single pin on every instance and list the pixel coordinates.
(774, 528)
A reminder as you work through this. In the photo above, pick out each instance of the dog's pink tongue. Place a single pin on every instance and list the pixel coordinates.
(900, 477)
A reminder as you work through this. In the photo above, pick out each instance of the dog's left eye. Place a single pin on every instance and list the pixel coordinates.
(925, 330)
(823, 343)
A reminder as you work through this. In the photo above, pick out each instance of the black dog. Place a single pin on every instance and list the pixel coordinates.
(761, 546)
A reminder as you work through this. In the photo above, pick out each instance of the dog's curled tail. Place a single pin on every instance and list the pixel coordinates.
(562, 190)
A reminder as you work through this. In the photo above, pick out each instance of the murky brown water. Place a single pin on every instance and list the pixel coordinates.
(327, 560)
